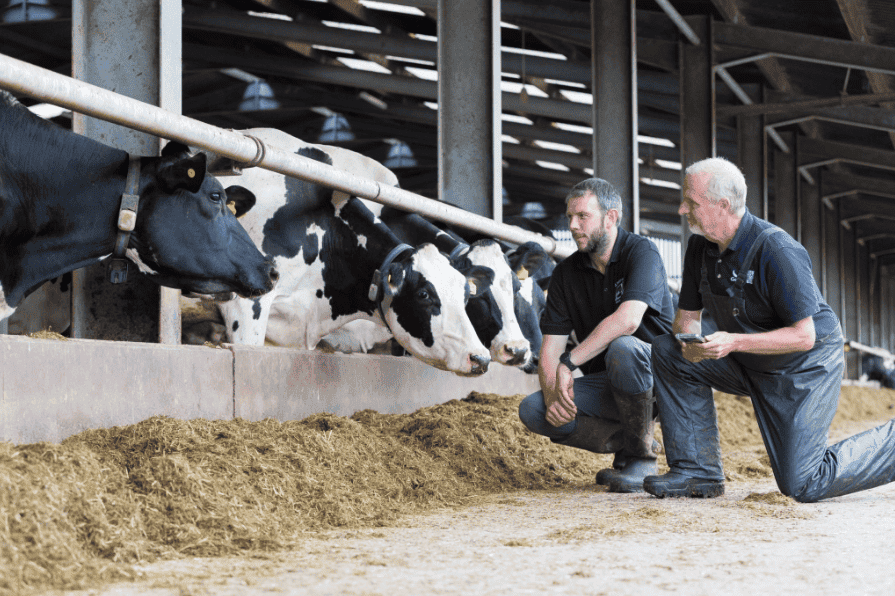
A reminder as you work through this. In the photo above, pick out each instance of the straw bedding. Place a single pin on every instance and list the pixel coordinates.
(84, 510)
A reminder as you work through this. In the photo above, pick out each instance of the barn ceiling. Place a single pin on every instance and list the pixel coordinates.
(361, 74)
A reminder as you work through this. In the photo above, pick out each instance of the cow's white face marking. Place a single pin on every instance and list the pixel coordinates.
(509, 340)
(455, 338)
(362, 241)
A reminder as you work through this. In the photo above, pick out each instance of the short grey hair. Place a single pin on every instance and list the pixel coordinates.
(607, 196)
(726, 181)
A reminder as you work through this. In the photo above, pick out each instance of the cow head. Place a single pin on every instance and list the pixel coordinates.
(187, 238)
(424, 304)
(493, 313)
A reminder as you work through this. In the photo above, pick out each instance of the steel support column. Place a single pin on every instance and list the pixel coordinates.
(116, 45)
(811, 206)
(697, 84)
(751, 155)
(614, 63)
(786, 187)
(469, 106)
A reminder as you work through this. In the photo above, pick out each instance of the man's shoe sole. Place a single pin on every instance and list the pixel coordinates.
(695, 488)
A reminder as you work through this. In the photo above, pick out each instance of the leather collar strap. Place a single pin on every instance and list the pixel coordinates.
(457, 250)
(376, 293)
(127, 220)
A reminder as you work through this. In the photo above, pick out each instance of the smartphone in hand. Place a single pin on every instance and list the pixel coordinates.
(690, 338)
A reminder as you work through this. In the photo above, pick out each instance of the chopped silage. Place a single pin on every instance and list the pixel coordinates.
(84, 510)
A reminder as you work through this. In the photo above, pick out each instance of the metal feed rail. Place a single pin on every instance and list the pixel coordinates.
(57, 89)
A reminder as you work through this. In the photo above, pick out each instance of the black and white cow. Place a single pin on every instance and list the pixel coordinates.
(492, 312)
(327, 248)
(60, 194)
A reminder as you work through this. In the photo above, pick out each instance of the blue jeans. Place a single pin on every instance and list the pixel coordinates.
(627, 370)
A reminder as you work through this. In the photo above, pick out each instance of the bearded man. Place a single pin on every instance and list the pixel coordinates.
(613, 295)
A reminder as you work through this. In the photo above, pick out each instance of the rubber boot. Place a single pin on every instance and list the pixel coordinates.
(606, 475)
(638, 423)
(596, 435)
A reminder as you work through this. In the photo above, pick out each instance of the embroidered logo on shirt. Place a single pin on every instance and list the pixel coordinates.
(619, 290)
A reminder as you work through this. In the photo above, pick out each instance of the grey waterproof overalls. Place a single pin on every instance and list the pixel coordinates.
(794, 395)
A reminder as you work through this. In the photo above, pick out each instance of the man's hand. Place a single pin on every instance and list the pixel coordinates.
(717, 345)
(560, 403)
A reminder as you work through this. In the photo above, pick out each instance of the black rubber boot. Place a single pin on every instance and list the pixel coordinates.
(606, 475)
(674, 484)
(596, 435)
(638, 423)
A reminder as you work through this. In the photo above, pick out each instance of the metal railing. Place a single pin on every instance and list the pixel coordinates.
(60, 90)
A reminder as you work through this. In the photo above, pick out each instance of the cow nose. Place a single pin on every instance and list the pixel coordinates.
(273, 274)
(479, 364)
(515, 355)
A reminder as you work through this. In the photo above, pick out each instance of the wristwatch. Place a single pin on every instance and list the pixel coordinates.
(566, 358)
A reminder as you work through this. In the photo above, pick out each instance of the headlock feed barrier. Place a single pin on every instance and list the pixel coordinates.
(57, 89)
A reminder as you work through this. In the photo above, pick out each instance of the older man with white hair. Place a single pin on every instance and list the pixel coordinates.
(778, 342)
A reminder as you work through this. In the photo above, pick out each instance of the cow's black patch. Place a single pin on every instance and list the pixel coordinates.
(256, 309)
(285, 233)
(416, 304)
(235, 326)
(320, 293)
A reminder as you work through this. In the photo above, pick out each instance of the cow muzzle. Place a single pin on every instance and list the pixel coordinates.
(479, 364)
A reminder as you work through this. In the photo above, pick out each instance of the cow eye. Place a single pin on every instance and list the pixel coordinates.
(422, 295)
(216, 197)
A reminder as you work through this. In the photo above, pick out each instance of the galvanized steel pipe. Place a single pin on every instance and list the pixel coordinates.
(64, 91)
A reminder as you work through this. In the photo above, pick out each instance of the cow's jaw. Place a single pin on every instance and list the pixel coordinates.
(509, 346)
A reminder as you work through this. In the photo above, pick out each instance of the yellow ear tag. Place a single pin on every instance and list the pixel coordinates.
(522, 274)
(232, 207)
(389, 279)
(472, 288)
(191, 173)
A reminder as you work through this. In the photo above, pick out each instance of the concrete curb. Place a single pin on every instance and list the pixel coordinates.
(50, 390)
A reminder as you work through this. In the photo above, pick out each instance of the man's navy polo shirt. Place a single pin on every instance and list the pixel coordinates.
(580, 297)
(780, 288)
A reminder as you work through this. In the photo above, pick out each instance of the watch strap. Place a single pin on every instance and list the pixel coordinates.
(566, 359)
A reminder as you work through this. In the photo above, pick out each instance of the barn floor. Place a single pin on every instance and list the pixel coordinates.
(576, 540)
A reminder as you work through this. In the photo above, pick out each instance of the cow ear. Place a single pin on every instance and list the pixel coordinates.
(175, 149)
(393, 280)
(479, 279)
(528, 257)
(240, 200)
(186, 173)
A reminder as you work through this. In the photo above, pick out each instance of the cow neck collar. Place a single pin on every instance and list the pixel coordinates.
(377, 291)
(458, 250)
(127, 220)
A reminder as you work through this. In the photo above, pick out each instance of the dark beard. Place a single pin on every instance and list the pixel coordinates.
(597, 244)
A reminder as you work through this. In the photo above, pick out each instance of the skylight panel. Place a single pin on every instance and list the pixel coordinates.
(424, 37)
(411, 60)
(509, 139)
(552, 166)
(47, 110)
(508, 25)
(654, 141)
(351, 27)
(367, 65)
(577, 96)
(528, 52)
(423, 73)
(516, 118)
(392, 7)
(270, 15)
(566, 83)
(557, 146)
(588, 130)
(514, 87)
(332, 49)
(662, 183)
(671, 165)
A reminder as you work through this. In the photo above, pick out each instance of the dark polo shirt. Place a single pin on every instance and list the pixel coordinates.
(580, 297)
(780, 287)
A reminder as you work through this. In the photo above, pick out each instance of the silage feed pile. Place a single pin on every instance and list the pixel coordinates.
(84, 510)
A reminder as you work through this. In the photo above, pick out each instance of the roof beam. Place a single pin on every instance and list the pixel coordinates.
(855, 13)
(811, 149)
